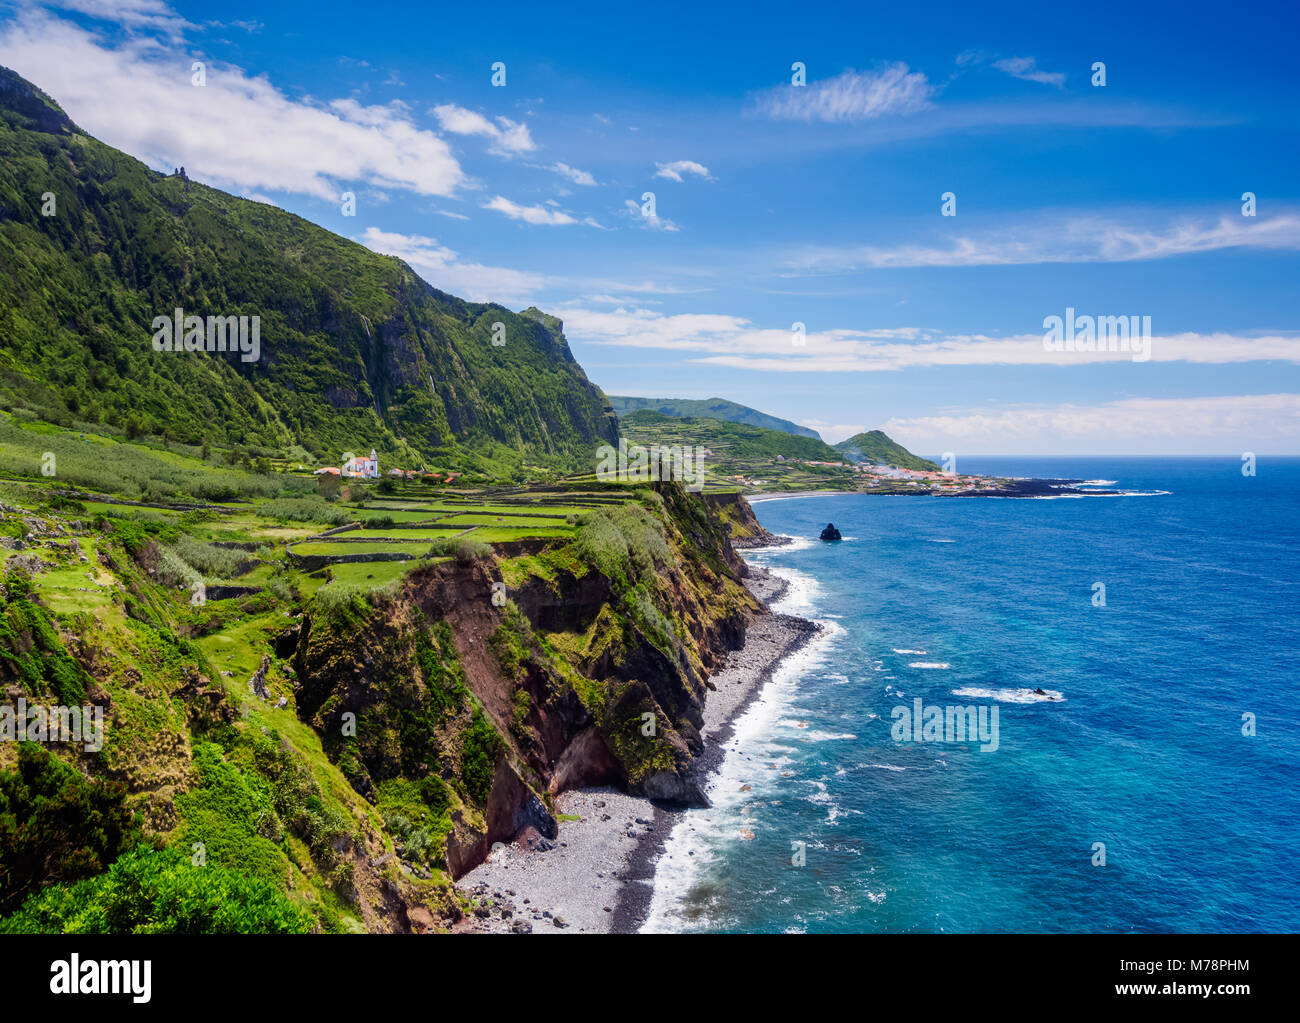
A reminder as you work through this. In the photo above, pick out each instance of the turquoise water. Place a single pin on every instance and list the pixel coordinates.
(1142, 751)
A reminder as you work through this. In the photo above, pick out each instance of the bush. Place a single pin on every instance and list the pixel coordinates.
(304, 509)
(55, 825)
(214, 562)
(151, 891)
(340, 604)
(280, 590)
(462, 548)
(232, 812)
(624, 544)
(480, 749)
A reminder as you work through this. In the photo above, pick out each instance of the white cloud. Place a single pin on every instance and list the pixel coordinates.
(1205, 425)
(154, 14)
(850, 96)
(674, 171)
(237, 131)
(528, 214)
(1083, 239)
(578, 177)
(1027, 69)
(508, 137)
(632, 209)
(440, 266)
(724, 340)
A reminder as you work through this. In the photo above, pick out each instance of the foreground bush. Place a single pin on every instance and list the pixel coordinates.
(55, 825)
(151, 891)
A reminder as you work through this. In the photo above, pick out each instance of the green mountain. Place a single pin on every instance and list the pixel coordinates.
(875, 447)
(710, 408)
(355, 350)
(742, 455)
(726, 440)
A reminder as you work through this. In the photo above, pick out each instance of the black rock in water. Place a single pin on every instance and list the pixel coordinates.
(830, 533)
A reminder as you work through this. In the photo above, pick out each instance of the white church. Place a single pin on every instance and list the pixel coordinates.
(367, 468)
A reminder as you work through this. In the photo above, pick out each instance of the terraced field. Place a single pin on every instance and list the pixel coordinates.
(401, 528)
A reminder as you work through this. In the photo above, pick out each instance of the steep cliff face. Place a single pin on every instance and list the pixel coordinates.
(592, 672)
(743, 526)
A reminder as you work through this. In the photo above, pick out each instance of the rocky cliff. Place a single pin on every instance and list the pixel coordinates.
(592, 671)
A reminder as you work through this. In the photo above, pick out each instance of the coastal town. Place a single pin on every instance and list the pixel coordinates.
(867, 477)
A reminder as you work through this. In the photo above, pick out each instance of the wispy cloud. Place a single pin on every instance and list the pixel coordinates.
(578, 177)
(1079, 239)
(442, 268)
(529, 214)
(236, 131)
(1219, 423)
(723, 340)
(152, 14)
(1026, 68)
(508, 137)
(632, 211)
(674, 171)
(850, 96)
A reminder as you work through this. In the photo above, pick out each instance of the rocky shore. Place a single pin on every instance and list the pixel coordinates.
(597, 875)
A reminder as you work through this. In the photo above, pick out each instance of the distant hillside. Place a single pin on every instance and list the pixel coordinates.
(356, 350)
(875, 447)
(710, 408)
(724, 439)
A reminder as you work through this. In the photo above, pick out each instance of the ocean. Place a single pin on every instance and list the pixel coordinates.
(1125, 798)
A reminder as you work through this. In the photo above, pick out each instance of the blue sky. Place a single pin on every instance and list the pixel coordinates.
(777, 204)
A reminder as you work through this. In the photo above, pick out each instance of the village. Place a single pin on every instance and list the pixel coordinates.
(367, 467)
(866, 477)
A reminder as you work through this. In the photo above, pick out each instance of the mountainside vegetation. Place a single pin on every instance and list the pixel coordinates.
(709, 408)
(877, 448)
(726, 440)
(356, 351)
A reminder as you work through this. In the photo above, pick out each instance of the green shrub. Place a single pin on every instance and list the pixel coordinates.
(210, 560)
(481, 747)
(55, 825)
(464, 549)
(304, 509)
(151, 891)
(232, 812)
(624, 544)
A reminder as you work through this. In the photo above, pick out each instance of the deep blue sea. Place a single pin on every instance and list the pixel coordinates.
(978, 602)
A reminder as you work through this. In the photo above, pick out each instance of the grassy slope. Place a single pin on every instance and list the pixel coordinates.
(709, 408)
(728, 441)
(877, 448)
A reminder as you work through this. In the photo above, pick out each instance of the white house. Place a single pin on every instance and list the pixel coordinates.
(368, 468)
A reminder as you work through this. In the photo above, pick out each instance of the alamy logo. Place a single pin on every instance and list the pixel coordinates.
(102, 977)
(181, 333)
(1098, 334)
(637, 464)
(946, 724)
(35, 723)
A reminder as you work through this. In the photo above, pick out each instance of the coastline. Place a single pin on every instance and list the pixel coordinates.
(597, 876)
(785, 495)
